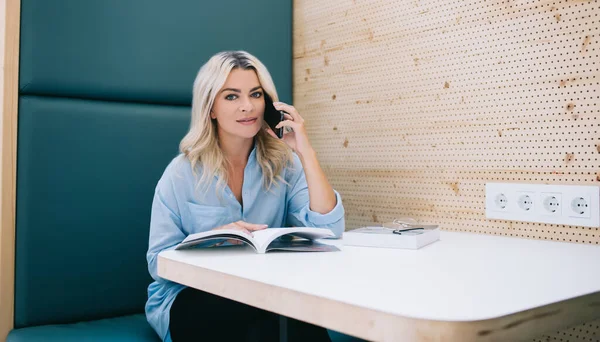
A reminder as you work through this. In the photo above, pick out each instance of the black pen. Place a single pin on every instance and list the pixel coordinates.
(400, 231)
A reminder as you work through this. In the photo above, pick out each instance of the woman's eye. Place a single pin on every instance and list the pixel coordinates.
(230, 97)
(257, 95)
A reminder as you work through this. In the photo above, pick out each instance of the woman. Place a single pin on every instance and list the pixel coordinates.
(233, 172)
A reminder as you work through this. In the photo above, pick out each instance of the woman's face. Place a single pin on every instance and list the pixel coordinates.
(239, 106)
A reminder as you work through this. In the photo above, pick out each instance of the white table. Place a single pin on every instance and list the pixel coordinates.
(465, 287)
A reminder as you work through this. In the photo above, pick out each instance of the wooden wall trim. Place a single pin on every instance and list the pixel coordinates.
(10, 93)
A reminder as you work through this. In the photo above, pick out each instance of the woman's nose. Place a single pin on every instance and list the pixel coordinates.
(246, 105)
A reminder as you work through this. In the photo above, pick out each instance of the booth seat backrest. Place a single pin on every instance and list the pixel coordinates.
(105, 90)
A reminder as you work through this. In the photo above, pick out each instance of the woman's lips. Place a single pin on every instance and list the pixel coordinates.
(248, 121)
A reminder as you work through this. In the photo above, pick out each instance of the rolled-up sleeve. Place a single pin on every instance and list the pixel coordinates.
(299, 213)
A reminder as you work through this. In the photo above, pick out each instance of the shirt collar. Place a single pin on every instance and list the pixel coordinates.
(252, 156)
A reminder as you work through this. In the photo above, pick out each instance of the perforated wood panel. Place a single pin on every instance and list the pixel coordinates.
(414, 105)
(589, 332)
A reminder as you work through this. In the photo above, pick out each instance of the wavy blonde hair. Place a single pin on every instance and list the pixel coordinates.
(201, 144)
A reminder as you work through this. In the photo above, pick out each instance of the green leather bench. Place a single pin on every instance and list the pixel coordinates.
(105, 88)
(86, 176)
(132, 328)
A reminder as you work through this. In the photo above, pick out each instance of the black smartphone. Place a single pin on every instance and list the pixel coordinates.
(273, 116)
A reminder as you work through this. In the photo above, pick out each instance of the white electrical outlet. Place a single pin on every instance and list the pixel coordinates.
(551, 203)
(500, 201)
(525, 201)
(577, 205)
(580, 206)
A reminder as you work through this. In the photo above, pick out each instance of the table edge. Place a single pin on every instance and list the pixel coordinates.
(374, 325)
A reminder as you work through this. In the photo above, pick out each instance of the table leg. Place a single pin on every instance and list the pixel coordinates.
(283, 334)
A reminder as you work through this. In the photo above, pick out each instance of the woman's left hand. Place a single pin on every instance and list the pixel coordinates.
(321, 197)
(298, 139)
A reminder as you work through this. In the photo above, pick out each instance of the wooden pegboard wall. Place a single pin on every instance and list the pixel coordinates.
(588, 332)
(414, 105)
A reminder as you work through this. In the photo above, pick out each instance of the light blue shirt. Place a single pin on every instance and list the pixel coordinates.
(179, 209)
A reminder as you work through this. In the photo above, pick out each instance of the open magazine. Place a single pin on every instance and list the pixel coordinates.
(299, 239)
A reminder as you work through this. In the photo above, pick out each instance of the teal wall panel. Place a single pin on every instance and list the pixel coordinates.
(145, 50)
(105, 88)
(86, 177)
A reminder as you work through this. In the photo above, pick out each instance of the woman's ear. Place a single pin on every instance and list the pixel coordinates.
(212, 114)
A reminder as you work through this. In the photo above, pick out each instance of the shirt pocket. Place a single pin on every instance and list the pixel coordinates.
(206, 217)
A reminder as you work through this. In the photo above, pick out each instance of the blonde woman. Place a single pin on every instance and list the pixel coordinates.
(234, 172)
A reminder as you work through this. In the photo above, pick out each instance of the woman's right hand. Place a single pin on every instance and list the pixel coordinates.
(246, 227)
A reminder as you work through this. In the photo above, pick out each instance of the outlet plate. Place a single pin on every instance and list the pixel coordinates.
(581, 206)
(576, 205)
(551, 203)
(525, 201)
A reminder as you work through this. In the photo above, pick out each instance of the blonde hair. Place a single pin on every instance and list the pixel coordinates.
(200, 145)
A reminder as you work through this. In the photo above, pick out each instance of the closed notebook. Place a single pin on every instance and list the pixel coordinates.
(385, 238)
(298, 239)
